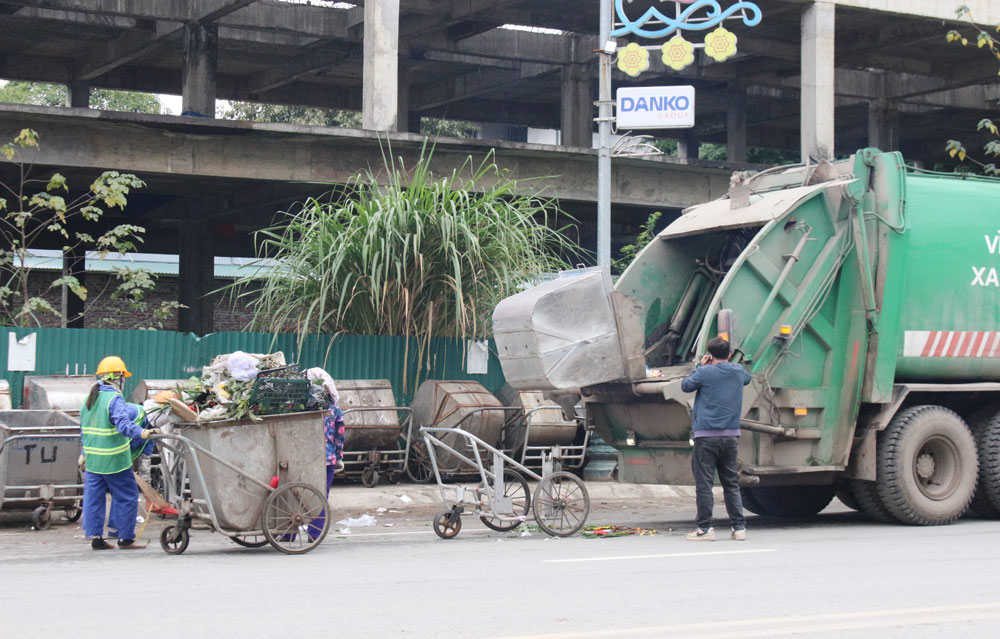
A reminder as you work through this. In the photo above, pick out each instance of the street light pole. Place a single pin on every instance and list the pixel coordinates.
(604, 142)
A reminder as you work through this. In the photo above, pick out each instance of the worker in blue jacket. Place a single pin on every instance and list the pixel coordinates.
(106, 432)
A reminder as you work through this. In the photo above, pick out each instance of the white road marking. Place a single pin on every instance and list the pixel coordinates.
(666, 556)
(793, 625)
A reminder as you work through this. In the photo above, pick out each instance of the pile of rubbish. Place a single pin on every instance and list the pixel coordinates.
(239, 385)
(597, 532)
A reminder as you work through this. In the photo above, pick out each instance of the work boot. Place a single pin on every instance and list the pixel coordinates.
(130, 544)
(701, 535)
(98, 543)
(740, 535)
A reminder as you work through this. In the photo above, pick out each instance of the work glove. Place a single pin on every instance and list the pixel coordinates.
(146, 432)
(81, 461)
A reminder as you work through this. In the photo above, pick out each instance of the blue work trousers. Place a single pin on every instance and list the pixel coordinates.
(124, 504)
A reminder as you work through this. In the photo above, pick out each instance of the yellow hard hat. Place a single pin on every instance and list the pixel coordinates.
(112, 364)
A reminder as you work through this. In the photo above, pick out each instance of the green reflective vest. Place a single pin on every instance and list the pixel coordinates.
(105, 449)
(138, 420)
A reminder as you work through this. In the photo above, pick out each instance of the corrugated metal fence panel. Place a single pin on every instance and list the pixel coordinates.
(171, 355)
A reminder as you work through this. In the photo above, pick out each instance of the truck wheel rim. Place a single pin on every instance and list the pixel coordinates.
(935, 468)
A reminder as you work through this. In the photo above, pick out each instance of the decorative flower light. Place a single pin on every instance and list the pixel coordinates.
(677, 53)
(633, 59)
(720, 44)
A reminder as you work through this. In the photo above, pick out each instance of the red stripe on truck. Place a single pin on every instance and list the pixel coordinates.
(929, 345)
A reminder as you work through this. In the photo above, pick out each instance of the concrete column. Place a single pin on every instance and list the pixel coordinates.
(404, 119)
(73, 263)
(201, 58)
(196, 278)
(687, 146)
(817, 106)
(577, 108)
(883, 125)
(381, 50)
(736, 122)
(78, 95)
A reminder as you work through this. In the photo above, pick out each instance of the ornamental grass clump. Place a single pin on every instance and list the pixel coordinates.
(404, 252)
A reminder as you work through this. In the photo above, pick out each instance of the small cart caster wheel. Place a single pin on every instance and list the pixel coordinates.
(72, 513)
(40, 518)
(369, 476)
(443, 526)
(174, 540)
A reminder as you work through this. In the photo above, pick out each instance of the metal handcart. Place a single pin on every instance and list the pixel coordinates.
(257, 482)
(452, 404)
(374, 442)
(502, 499)
(419, 464)
(541, 430)
(38, 464)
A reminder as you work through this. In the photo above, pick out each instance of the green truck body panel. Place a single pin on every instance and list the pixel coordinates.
(878, 276)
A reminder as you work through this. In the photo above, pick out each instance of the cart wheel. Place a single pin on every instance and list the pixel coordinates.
(251, 541)
(443, 526)
(562, 504)
(419, 467)
(516, 488)
(369, 476)
(288, 515)
(72, 513)
(40, 518)
(174, 540)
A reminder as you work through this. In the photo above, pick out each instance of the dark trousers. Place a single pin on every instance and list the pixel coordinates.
(713, 454)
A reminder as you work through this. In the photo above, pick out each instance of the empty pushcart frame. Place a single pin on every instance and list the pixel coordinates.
(560, 504)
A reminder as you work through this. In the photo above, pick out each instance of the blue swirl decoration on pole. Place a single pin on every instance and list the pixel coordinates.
(713, 16)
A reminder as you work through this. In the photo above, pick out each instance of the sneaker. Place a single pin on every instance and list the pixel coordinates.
(740, 535)
(98, 543)
(130, 544)
(701, 535)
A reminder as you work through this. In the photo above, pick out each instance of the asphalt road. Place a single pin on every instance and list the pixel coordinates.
(838, 575)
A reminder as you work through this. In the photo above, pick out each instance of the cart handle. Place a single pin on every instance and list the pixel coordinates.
(431, 441)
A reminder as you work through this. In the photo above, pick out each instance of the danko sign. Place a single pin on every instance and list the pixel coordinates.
(655, 107)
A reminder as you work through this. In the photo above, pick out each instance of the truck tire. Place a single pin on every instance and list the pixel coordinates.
(927, 466)
(979, 422)
(792, 501)
(989, 462)
(869, 502)
(750, 503)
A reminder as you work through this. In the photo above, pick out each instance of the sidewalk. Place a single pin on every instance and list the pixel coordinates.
(357, 497)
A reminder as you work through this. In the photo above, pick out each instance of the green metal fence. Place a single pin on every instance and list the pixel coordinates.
(171, 355)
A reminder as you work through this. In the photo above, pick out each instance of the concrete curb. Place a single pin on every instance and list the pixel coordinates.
(406, 496)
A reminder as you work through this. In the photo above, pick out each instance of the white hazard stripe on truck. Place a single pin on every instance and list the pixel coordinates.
(951, 344)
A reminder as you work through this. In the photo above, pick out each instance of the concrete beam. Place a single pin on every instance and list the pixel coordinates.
(149, 145)
(476, 83)
(985, 11)
(134, 44)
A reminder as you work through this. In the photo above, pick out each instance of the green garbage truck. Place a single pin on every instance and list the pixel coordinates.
(863, 298)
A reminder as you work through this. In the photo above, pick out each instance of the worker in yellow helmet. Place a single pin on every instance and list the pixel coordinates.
(106, 432)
